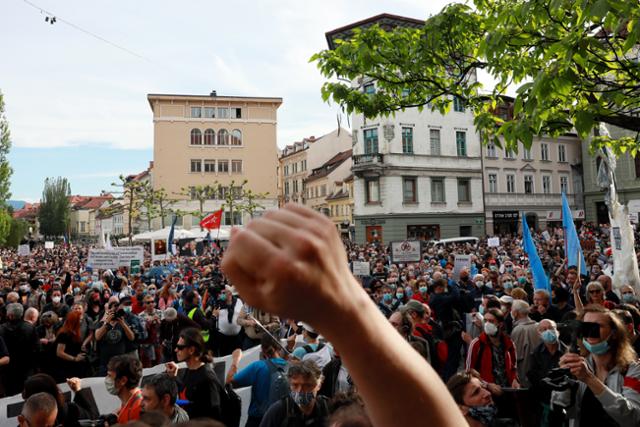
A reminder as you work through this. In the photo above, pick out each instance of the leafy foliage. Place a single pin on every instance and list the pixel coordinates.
(575, 63)
(55, 209)
(5, 172)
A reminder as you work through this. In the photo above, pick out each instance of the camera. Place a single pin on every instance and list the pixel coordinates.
(119, 314)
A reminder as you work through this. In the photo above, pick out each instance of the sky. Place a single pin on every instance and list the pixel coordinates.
(77, 106)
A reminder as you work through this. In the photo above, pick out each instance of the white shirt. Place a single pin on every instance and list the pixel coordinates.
(230, 328)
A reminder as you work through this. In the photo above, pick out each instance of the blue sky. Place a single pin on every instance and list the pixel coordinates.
(77, 106)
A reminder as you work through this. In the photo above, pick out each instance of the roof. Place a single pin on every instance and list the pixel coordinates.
(299, 146)
(386, 21)
(218, 98)
(340, 194)
(329, 166)
(30, 210)
(94, 202)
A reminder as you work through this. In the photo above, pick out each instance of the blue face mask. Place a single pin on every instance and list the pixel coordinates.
(508, 285)
(628, 298)
(550, 336)
(409, 292)
(301, 398)
(481, 309)
(222, 297)
(522, 280)
(387, 298)
(400, 295)
(597, 349)
(423, 289)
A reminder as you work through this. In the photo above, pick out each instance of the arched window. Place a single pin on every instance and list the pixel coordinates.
(223, 137)
(196, 137)
(209, 137)
(236, 137)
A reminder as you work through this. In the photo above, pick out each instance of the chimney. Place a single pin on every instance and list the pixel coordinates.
(213, 93)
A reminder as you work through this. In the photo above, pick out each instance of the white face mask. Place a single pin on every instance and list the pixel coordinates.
(55, 299)
(490, 329)
(110, 384)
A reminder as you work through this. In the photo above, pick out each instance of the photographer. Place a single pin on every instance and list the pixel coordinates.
(112, 334)
(608, 392)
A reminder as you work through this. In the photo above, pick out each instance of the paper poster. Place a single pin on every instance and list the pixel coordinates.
(126, 254)
(461, 262)
(159, 250)
(24, 250)
(361, 268)
(48, 245)
(407, 251)
(493, 242)
(103, 259)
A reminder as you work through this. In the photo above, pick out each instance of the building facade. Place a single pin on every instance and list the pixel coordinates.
(340, 207)
(296, 161)
(208, 141)
(627, 175)
(322, 182)
(530, 183)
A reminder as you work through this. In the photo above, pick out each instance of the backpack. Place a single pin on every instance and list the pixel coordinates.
(230, 405)
(278, 385)
(292, 416)
(320, 357)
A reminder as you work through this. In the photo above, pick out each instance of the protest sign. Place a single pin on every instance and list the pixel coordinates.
(546, 235)
(407, 251)
(103, 259)
(159, 250)
(460, 262)
(126, 254)
(493, 242)
(361, 268)
(48, 245)
(24, 250)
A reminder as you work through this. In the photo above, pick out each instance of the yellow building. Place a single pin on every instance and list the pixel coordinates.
(208, 140)
(340, 206)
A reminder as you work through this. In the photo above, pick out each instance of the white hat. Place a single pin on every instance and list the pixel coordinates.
(506, 299)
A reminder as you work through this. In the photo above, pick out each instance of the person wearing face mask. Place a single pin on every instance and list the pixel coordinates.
(387, 304)
(171, 325)
(474, 399)
(112, 334)
(545, 357)
(525, 337)
(123, 380)
(493, 354)
(628, 295)
(229, 331)
(304, 407)
(422, 294)
(608, 392)
(168, 295)
(56, 304)
(22, 343)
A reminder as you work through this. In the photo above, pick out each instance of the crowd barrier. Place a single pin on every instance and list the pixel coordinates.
(10, 407)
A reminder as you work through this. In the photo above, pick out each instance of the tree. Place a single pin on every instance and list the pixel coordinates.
(249, 202)
(574, 64)
(5, 173)
(163, 204)
(17, 232)
(201, 193)
(55, 209)
(133, 195)
(149, 210)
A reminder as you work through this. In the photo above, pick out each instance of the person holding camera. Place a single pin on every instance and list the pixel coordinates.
(112, 334)
(608, 392)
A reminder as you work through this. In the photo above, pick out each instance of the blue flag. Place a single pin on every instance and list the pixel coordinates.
(540, 280)
(170, 242)
(571, 241)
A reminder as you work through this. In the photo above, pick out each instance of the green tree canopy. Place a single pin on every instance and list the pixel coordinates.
(574, 63)
(55, 209)
(5, 173)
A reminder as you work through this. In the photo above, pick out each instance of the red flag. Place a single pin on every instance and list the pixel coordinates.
(212, 220)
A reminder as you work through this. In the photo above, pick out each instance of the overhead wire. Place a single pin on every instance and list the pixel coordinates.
(89, 33)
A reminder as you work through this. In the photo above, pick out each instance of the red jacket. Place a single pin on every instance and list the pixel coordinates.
(485, 365)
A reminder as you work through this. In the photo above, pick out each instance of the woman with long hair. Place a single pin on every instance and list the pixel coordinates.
(168, 295)
(608, 374)
(71, 358)
(198, 384)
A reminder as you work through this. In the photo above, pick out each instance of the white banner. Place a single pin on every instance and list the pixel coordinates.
(461, 262)
(493, 242)
(361, 268)
(103, 259)
(126, 254)
(407, 251)
(24, 250)
(48, 245)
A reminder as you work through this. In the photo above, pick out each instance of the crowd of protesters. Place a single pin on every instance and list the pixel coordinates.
(491, 336)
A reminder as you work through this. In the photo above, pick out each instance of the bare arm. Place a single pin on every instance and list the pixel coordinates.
(576, 296)
(303, 274)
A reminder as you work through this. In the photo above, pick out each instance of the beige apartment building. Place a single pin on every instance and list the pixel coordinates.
(340, 207)
(322, 181)
(215, 139)
(297, 160)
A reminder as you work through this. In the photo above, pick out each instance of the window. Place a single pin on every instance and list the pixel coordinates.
(237, 218)
(373, 190)
(546, 184)
(223, 166)
(371, 141)
(493, 183)
(236, 166)
(407, 140)
(196, 137)
(526, 154)
(409, 190)
(236, 113)
(295, 186)
(465, 231)
(458, 105)
(437, 190)
(464, 190)
(236, 137)
(511, 183)
(209, 113)
(209, 137)
(434, 139)
(196, 165)
(196, 112)
(223, 113)
(369, 89)
(82, 225)
(286, 188)
(193, 194)
(564, 184)
(461, 143)
(210, 166)
(304, 165)
(223, 137)
(491, 150)
(544, 151)
(562, 155)
(222, 192)
(508, 154)
(323, 190)
(528, 184)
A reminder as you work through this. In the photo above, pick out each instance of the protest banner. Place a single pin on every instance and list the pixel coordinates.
(460, 262)
(24, 250)
(406, 251)
(361, 268)
(493, 242)
(103, 259)
(48, 245)
(126, 254)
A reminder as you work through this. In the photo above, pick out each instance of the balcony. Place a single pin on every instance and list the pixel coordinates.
(365, 164)
(551, 200)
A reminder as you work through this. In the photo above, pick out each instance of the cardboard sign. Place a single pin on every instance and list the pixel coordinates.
(546, 235)
(361, 268)
(460, 263)
(48, 245)
(159, 250)
(407, 251)
(493, 242)
(126, 254)
(24, 250)
(103, 259)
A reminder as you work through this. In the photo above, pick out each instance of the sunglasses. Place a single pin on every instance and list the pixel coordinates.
(595, 291)
(149, 302)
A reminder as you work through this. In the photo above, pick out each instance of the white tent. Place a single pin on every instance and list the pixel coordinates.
(223, 234)
(178, 233)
